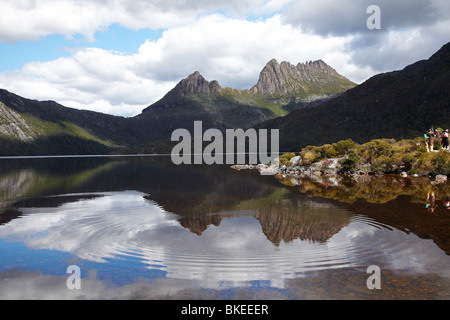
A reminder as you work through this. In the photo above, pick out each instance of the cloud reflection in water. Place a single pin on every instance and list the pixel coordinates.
(125, 225)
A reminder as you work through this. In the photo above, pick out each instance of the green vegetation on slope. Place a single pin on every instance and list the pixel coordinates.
(52, 145)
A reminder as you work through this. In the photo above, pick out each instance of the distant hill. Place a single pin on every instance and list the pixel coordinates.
(31, 127)
(399, 104)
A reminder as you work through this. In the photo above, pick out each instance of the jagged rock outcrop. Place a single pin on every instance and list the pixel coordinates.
(195, 84)
(311, 77)
(13, 125)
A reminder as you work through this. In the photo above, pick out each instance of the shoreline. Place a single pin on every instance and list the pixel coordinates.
(329, 168)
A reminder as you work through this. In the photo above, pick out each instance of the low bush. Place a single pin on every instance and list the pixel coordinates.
(382, 156)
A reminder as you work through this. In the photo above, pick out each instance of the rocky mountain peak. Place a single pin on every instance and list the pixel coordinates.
(195, 84)
(285, 78)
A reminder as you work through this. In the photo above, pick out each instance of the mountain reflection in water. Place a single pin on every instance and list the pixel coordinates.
(142, 219)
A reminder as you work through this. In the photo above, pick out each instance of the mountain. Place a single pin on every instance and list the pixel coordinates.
(194, 84)
(31, 127)
(400, 104)
(295, 87)
(195, 98)
(312, 78)
(280, 88)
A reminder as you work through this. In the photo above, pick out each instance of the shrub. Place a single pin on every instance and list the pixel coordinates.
(285, 162)
(408, 161)
(287, 156)
(377, 148)
(312, 154)
(308, 157)
(330, 151)
(342, 147)
(353, 158)
(419, 164)
(383, 164)
(382, 155)
(440, 164)
(437, 145)
(422, 149)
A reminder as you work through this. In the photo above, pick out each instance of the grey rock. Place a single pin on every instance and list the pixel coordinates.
(284, 78)
(195, 83)
(295, 161)
(268, 171)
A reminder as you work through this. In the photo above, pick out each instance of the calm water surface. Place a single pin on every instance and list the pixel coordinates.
(141, 228)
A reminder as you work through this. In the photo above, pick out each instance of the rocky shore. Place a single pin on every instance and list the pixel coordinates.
(328, 167)
(324, 167)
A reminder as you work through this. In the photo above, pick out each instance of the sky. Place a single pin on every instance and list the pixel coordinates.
(120, 56)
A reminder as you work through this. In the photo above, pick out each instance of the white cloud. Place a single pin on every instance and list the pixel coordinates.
(411, 30)
(32, 19)
(230, 50)
(397, 49)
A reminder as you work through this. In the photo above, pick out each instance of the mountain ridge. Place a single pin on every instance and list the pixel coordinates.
(296, 87)
(284, 78)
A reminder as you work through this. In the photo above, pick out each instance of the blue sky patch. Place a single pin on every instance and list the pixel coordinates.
(117, 38)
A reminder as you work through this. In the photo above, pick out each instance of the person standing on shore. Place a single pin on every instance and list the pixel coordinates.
(430, 142)
(444, 141)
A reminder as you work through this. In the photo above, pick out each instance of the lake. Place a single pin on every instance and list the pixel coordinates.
(143, 228)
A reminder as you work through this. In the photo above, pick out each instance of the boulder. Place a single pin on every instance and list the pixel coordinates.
(295, 160)
(268, 171)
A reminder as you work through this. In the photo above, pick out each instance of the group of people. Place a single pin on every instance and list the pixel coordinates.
(432, 135)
